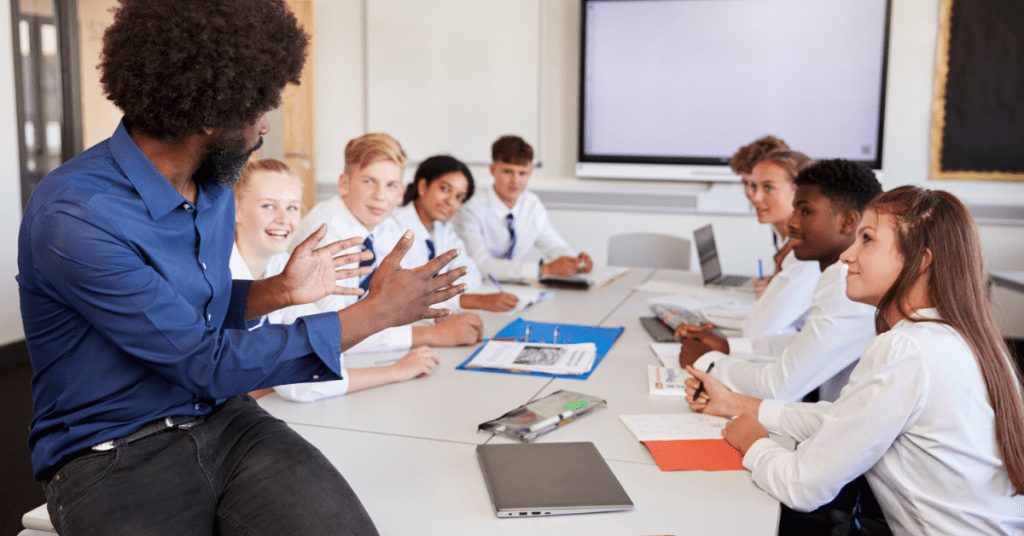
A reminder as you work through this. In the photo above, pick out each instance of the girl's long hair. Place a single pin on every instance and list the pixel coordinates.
(938, 222)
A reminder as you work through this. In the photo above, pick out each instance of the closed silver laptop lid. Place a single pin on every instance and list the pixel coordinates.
(542, 479)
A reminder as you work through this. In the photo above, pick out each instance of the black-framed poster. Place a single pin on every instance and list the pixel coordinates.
(978, 111)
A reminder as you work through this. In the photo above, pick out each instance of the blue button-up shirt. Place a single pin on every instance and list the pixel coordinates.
(129, 309)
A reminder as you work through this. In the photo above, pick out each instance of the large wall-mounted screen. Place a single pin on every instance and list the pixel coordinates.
(670, 89)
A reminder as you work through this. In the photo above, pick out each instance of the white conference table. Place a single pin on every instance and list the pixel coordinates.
(408, 449)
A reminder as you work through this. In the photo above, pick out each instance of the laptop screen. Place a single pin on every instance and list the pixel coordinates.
(704, 239)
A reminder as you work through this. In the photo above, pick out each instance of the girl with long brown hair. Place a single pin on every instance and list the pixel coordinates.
(932, 414)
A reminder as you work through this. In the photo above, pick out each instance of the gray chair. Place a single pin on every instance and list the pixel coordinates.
(649, 250)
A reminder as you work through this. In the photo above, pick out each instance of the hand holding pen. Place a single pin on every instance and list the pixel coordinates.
(706, 394)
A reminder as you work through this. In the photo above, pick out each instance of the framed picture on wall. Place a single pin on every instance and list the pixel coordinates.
(978, 111)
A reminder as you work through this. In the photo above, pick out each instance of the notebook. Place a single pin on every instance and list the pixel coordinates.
(710, 268)
(657, 329)
(549, 479)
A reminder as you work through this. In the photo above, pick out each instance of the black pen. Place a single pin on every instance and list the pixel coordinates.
(700, 388)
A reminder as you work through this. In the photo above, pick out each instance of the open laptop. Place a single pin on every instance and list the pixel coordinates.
(549, 479)
(710, 268)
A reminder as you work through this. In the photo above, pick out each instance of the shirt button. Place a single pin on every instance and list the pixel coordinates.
(209, 317)
(204, 265)
(316, 376)
(197, 407)
(188, 207)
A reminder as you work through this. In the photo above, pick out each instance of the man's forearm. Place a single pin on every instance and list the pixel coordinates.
(359, 321)
(265, 296)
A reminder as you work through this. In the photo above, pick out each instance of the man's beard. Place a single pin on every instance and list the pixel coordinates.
(225, 160)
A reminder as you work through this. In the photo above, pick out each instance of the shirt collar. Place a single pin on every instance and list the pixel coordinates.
(154, 189)
(350, 219)
(498, 206)
(412, 220)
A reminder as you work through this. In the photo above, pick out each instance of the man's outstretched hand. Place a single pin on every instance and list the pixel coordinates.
(402, 296)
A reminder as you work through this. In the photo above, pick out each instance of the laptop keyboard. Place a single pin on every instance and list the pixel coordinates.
(732, 280)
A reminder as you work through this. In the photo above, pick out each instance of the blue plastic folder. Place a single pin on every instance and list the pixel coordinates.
(603, 339)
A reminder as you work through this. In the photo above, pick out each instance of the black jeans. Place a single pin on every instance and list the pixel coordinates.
(239, 472)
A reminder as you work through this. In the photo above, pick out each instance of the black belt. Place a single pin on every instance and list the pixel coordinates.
(155, 427)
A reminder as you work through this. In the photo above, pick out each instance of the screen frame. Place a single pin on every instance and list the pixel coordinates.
(688, 168)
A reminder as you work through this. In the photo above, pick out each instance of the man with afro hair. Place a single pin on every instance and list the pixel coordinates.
(137, 334)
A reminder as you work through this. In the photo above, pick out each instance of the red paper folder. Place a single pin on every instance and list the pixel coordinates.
(695, 455)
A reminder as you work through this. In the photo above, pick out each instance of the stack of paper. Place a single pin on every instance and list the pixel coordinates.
(667, 352)
(722, 308)
(685, 441)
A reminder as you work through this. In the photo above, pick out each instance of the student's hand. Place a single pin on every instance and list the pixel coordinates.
(311, 273)
(760, 285)
(401, 296)
(457, 330)
(704, 335)
(742, 432)
(419, 362)
(690, 350)
(584, 264)
(562, 266)
(498, 302)
(714, 399)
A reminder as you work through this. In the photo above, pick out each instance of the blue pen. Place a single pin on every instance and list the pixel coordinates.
(496, 284)
(760, 270)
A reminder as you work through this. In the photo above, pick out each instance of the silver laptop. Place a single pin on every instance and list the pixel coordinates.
(710, 268)
(549, 479)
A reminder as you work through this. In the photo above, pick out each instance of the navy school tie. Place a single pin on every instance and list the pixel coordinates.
(365, 282)
(430, 250)
(511, 235)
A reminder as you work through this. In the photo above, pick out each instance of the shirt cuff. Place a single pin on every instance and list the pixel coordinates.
(324, 333)
(757, 451)
(703, 362)
(770, 414)
(741, 345)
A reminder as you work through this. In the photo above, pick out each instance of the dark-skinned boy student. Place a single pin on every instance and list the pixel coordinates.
(830, 198)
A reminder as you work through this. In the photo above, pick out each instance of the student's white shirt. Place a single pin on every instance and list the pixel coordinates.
(444, 237)
(787, 366)
(483, 225)
(916, 418)
(300, 392)
(787, 297)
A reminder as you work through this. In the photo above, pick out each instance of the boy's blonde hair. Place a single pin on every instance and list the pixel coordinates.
(370, 148)
(266, 164)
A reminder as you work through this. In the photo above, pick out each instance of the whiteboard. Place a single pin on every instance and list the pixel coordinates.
(451, 77)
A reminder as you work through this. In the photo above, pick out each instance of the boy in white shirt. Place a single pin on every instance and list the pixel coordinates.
(502, 223)
(368, 192)
(830, 197)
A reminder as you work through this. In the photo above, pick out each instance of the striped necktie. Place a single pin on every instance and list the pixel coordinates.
(430, 250)
(511, 235)
(365, 282)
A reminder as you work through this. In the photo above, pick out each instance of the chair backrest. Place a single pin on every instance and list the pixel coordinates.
(649, 250)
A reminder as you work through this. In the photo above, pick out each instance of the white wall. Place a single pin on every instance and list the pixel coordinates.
(10, 204)
(340, 116)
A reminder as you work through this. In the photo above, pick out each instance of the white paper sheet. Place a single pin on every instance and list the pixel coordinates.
(667, 353)
(673, 426)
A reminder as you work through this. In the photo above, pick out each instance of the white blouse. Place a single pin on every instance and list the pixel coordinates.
(787, 298)
(916, 418)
